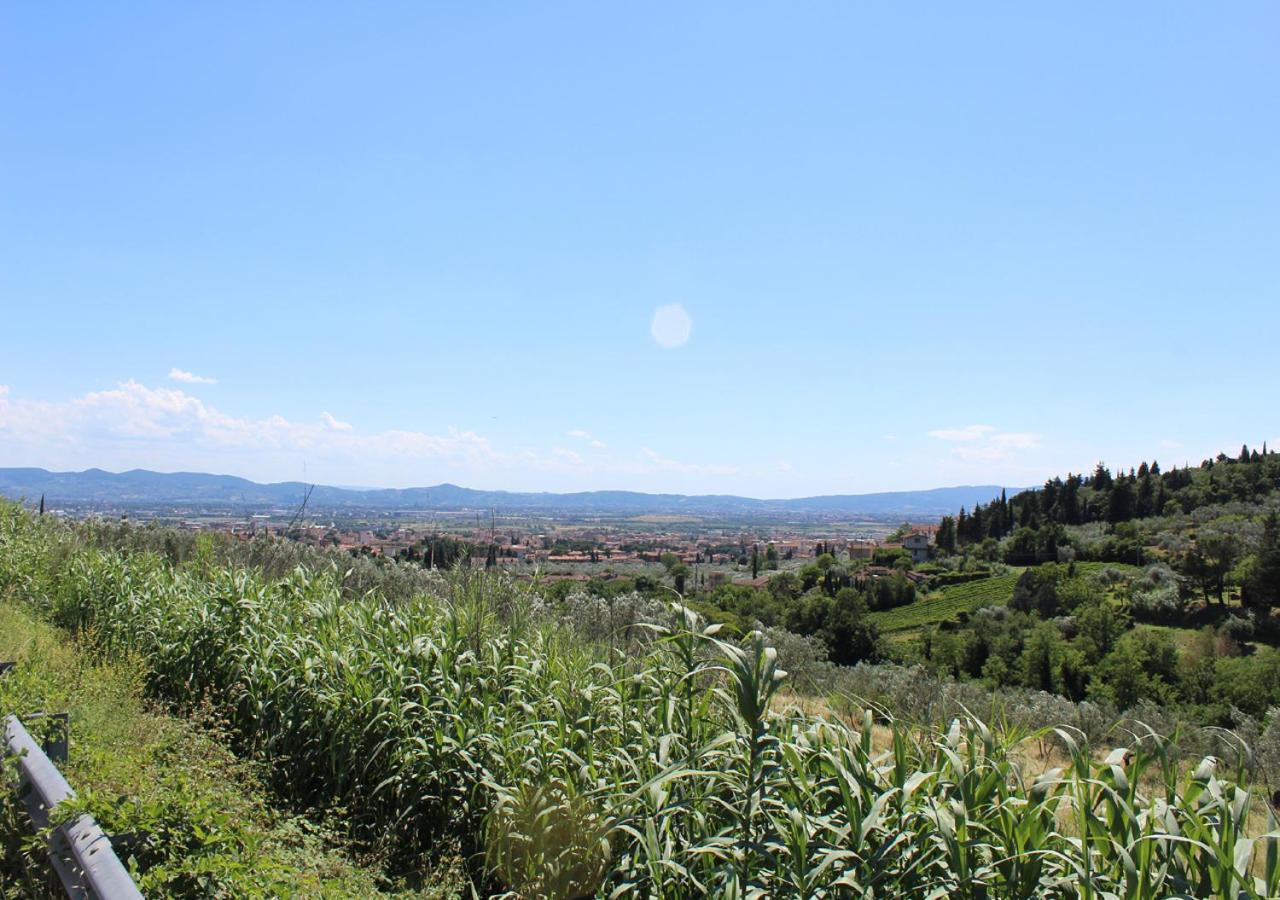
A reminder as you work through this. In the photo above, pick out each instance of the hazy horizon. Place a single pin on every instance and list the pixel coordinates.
(498, 489)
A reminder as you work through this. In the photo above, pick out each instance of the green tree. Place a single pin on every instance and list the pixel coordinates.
(679, 573)
(1036, 590)
(849, 635)
(946, 537)
(1120, 502)
(808, 613)
(1101, 625)
(771, 557)
(785, 586)
(900, 532)
(1262, 587)
(1248, 683)
(1208, 563)
(1143, 666)
(1040, 658)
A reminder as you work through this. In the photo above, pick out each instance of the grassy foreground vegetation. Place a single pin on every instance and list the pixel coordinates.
(463, 717)
(201, 822)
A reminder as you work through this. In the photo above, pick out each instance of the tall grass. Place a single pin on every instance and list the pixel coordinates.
(200, 822)
(463, 719)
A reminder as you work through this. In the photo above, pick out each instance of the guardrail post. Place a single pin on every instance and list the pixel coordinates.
(79, 851)
(57, 748)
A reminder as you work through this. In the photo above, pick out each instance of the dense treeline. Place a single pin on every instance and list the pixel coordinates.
(1121, 497)
(1113, 499)
(824, 599)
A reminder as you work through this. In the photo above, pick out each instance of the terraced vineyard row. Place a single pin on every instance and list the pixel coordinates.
(942, 605)
(973, 595)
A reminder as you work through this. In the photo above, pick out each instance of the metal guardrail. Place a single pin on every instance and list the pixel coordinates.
(79, 850)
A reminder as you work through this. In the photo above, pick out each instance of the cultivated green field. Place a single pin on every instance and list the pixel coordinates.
(942, 605)
(939, 606)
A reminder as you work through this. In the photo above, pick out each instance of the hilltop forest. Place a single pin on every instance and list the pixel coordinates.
(1032, 526)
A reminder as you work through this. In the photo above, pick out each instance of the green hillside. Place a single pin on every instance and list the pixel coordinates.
(458, 718)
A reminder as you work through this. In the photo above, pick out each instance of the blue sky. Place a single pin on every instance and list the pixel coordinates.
(916, 245)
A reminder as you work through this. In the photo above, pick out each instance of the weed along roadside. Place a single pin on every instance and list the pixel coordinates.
(183, 814)
(80, 853)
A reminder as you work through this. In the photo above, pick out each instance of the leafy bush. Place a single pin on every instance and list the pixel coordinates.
(950, 579)
(1157, 595)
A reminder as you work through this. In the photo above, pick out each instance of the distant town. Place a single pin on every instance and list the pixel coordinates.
(557, 547)
(587, 536)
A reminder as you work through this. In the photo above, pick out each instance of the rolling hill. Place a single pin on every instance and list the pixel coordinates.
(140, 487)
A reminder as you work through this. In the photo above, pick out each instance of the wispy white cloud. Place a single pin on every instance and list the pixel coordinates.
(568, 456)
(658, 462)
(189, 377)
(592, 441)
(333, 423)
(137, 416)
(986, 443)
(968, 433)
(136, 425)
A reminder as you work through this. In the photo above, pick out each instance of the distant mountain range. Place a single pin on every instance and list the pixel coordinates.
(142, 488)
